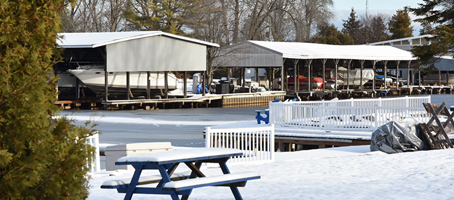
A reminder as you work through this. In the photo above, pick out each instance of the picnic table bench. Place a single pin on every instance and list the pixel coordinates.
(175, 184)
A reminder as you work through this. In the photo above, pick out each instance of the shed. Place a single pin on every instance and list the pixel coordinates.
(142, 51)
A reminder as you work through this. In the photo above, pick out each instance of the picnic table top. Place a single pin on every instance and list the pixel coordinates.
(180, 155)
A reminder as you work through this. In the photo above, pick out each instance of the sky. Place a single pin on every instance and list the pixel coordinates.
(342, 9)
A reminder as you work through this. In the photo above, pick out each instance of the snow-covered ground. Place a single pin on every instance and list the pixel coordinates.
(336, 173)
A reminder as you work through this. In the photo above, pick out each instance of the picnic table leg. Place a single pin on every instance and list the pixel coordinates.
(134, 181)
(225, 170)
(166, 178)
(195, 168)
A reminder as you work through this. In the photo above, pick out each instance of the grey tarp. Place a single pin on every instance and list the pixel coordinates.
(394, 137)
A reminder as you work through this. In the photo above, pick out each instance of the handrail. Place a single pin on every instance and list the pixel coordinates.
(358, 114)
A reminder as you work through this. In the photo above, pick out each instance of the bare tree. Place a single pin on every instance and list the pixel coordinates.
(93, 16)
(307, 14)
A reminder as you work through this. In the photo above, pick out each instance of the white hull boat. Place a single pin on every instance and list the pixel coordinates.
(94, 79)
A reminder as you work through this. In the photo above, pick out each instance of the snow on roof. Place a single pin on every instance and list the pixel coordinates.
(402, 39)
(97, 39)
(299, 50)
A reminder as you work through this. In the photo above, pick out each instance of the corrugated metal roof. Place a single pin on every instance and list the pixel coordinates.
(402, 39)
(97, 39)
(298, 50)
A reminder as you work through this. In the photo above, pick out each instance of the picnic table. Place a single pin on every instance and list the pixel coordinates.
(175, 184)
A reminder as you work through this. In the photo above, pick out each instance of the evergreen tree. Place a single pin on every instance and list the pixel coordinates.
(378, 31)
(400, 25)
(328, 34)
(164, 15)
(41, 157)
(441, 14)
(352, 26)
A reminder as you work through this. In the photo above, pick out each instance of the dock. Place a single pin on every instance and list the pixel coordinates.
(258, 99)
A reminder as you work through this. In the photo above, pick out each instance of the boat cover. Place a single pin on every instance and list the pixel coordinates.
(397, 137)
(354, 76)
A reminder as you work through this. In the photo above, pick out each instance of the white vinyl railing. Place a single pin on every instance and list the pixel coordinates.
(95, 163)
(358, 114)
(256, 143)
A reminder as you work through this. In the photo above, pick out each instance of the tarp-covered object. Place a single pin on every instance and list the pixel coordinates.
(396, 137)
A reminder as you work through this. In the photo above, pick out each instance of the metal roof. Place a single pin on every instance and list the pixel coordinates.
(402, 39)
(298, 50)
(98, 39)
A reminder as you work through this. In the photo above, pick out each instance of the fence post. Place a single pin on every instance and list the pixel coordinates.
(321, 113)
(376, 116)
(97, 156)
(208, 137)
(272, 142)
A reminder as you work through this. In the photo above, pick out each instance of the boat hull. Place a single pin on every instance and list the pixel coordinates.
(95, 80)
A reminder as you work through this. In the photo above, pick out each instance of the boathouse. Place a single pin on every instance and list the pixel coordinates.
(128, 52)
(444, 65)
(323, 64)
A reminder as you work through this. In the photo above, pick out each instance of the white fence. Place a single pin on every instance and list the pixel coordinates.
(359, 114)
(256, 143)
(95, 163)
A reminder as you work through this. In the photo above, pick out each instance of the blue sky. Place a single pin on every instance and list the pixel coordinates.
(342, 9)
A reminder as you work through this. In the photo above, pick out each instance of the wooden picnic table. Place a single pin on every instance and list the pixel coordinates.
(172, 184)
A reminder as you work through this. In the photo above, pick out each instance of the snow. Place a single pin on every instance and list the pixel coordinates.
(178, 154)
(336, 173)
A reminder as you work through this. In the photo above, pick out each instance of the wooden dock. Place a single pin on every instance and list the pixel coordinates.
(259, 99)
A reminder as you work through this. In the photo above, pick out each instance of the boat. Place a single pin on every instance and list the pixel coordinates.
(353, 77)
(317, 82)
(94, 78)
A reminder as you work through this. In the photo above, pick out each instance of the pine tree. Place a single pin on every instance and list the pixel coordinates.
(352, 26)
(328, 34)
(164, 15)
(441, 14)
(400, 25)
(41, 157)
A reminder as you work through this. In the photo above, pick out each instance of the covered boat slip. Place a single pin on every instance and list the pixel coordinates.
(130, 53)
(333, 69)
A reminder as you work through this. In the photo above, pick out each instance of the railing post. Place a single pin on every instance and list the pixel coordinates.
(376, 116)
(208, 137)
(321, 114)
(272, 142)
(97, 156)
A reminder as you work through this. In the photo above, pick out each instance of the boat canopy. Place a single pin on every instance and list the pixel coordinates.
(299, 50)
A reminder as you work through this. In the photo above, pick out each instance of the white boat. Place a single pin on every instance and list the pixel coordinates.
(93, 78)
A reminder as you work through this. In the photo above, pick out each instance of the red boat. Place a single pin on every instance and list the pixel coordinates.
(317, 82)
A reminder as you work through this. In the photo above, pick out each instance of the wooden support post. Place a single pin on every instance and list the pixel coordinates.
(203, 83)
(324, 71)
(397, 75)
(166, 84)
(447, 77)
(348, 75)
(256, 70)
(373, 80)
(336, 62)
(385, 72)
(185, 85)
(309, 77)
(296, 80)
(362, 69)
(106, 84)
(77, 89)
(128, 86)
(148, 85)
(439, 77)
(282, 75)
(408, 74)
